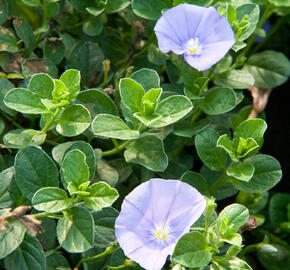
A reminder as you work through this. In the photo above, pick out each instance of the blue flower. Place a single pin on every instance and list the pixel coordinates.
(153, 217)
(201, 34)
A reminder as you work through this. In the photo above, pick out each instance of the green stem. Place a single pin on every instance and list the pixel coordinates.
(124, 265)
(108, 251)
(268, 12)
(218, 183)
(49, 252)
(51, 121)
(273, 30)
(11, 120)
(116, 150)
(196, 113)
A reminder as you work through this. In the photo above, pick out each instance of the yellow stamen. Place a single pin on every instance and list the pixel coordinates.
(161, 235)
(193, 51)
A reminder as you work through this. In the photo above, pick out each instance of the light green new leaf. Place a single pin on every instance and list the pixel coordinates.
(267, 174)
(34, 169)
(131, 94)
(231, 219)
(149, 9)
(60, 91)
(51, 200)
(20, 138)
(29, 255)
(11, 235)
(150, 100)
(218, 101)
(74, 168)
(192, 250)
(25, 101)
(229, 264)
(242, 171)
(228, 145)
(112, 126)
(75, 231)
(72, 79)
(171, 110)
(73, 121)
(280, 3)
(237, 79)
(212, 156)
(42, 85)
(147, 151)
(101, 195)
(247, 147)
(146, 77)
(269, 68)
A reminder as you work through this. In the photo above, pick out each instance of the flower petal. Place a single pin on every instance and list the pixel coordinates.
(211, 54)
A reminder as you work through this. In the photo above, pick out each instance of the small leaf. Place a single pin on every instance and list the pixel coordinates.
(8, 41)
(51, 200)
(75, 231)
(192, 250)
(242, 171)
(101, 195)
(147, 151)
(150, 9)
(229, 264)
(73, 121)
(196, 180)
(74, 168)
(112, 126)
(72, 79)
(42, 85)
(146, 77)
(25, 101)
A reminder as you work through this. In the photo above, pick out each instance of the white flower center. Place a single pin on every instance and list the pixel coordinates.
(161, 232)
(193, 47)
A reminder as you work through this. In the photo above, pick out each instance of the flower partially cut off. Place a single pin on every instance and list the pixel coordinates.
(153, 217)
(201, 34)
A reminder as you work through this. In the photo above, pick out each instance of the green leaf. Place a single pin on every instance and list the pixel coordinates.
(25, 33)
(51, 200)
(5, 181)
(101, 195)
(251, 128)
(218, 101)
(242, 171)
(195, 90)
(278, 208)
(116, 5)
(93, 26)
(29, 255)
(72, 79)
(11, 235)
(196, 180)
(107, 173)
(131, 93)
(188, 128)
(112, 126)
(229, 264)
(156, 56)
(60, 91)
(34, 169)
(3, 11)
(20, 138)
(8, 41)
(147, 151)
(269, 68)
(33, 3)
(212, 156)
(96, 101)
(238, 46)
(5, 86)
(251, 11)
(246, 147)
(73, 121)
(105, 227)
(42, 85)
(234, 216)
(75, 231)
(205, 3)
(147, 78)
(150, 101)
(150, 9)
(238, 79)
(59, 151)
(228, 145)
(53, 50)
(25, 101)
(267, 174)
(56, 261)
(280, 3)
(192, 250)
(171, 110)
(74, 168)
(48, 236)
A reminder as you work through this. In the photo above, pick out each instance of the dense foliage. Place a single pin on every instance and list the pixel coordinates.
(92, 107)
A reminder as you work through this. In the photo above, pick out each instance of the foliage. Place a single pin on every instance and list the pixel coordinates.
(90, 108)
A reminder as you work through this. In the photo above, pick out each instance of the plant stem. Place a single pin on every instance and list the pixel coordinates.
(49, 252)
(51, 121)
(11, 120)
(116, 150)
(108, 251)
(268, 12)
(124, 265)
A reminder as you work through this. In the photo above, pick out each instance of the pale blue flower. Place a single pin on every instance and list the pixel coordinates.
(153, 217)
(201, 34)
